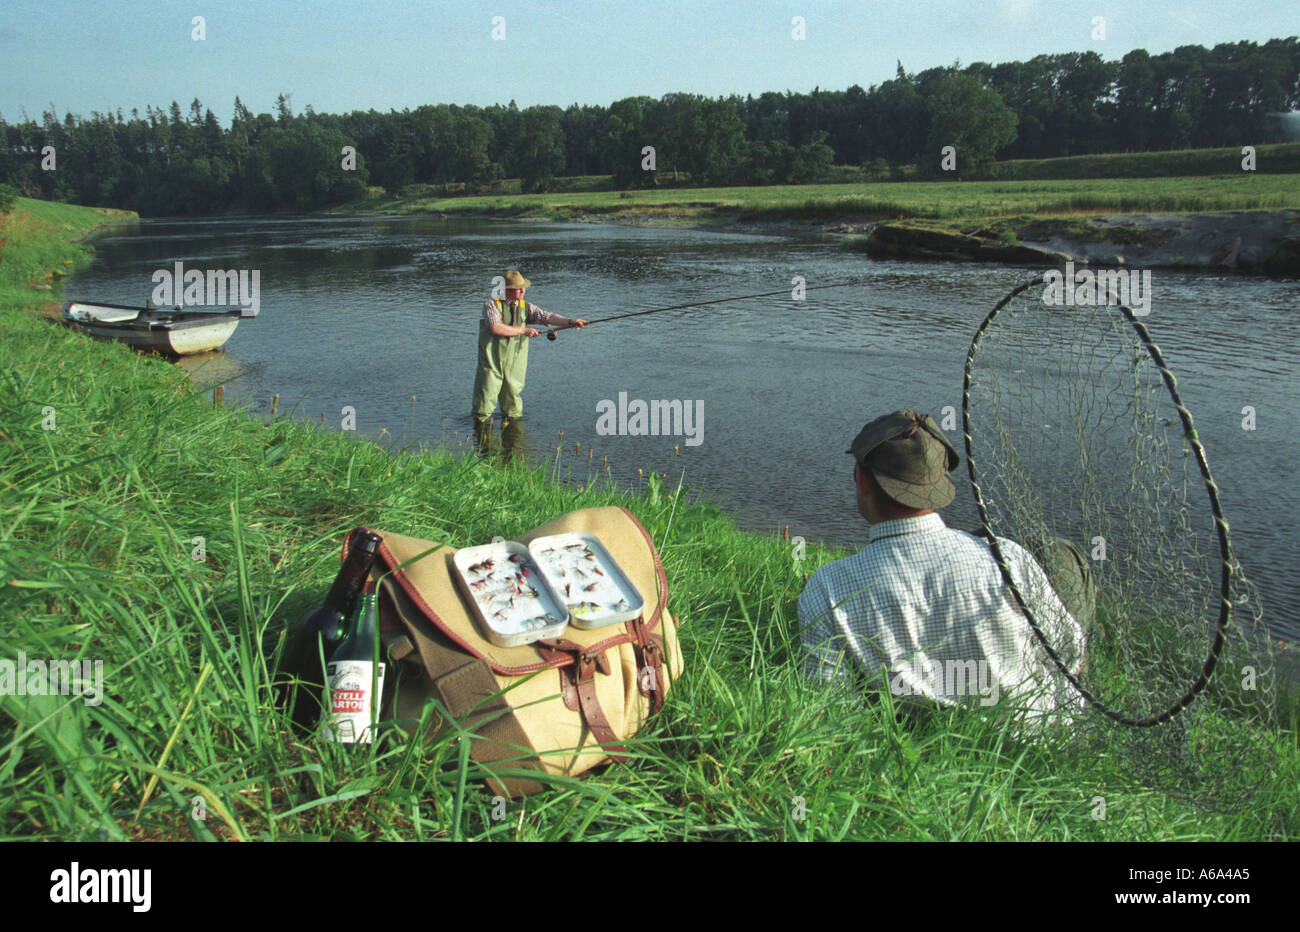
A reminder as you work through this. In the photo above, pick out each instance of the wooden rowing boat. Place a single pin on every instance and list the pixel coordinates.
(166, 330)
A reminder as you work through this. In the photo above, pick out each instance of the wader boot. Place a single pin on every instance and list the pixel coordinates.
(513, 440)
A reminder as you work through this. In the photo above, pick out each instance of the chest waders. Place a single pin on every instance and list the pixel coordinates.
(502, 365)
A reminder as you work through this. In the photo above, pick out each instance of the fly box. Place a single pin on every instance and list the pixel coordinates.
(586, 579)
(512, 599)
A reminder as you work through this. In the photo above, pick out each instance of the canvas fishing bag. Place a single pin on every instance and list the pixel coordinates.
(560, 706)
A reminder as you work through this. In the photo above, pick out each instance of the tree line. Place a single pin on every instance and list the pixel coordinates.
(167, 161)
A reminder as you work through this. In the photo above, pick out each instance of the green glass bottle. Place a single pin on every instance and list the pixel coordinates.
(356, 677)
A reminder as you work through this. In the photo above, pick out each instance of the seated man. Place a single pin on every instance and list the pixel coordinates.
(928, 604)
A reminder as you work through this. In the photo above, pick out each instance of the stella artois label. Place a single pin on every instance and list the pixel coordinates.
(352, 707)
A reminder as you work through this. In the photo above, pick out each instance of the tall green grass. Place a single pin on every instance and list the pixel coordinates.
(98, 524)
(44, 241)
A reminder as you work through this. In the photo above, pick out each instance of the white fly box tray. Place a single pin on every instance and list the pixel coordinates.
(588, 581)
(511, 598)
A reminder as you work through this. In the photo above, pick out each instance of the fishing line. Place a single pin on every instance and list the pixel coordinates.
(550, 334)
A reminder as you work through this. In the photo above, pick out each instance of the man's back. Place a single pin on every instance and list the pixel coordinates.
(928, 603)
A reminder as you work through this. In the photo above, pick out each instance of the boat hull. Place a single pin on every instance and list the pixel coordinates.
(173, 333)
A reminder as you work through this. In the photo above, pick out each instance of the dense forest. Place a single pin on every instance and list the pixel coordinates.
(167, 161)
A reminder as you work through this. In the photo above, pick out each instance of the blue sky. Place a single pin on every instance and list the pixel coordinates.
(87, 55)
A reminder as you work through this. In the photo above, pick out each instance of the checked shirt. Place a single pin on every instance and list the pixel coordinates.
(492, 314)
(928, 604)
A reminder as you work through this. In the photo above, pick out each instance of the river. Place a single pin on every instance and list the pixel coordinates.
(368, 312)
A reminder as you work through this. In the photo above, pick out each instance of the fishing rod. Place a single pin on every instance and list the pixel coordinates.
(550, 334)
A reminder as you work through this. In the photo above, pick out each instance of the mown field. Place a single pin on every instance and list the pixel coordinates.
(886, 200)
(1177, 182)
(113, 464)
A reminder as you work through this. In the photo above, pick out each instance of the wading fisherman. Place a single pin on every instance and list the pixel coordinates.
(927, 604)
(503, 337)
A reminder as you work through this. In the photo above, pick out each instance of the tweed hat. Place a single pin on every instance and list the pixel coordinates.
(910, 457)
(515, 280)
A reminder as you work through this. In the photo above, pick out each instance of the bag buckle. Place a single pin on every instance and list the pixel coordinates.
(589, 662)
(648, 678)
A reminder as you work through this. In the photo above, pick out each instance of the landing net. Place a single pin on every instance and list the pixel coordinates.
(1075, 432)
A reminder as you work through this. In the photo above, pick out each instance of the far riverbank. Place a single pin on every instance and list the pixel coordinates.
(1235, 222)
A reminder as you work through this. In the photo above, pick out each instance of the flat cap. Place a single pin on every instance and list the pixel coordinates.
(910, 457)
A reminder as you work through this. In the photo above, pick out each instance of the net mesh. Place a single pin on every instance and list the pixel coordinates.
(1074, 433)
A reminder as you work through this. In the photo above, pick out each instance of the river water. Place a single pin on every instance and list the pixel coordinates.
(368, 312)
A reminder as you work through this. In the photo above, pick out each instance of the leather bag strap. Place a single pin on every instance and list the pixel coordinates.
(582, 674)
(649, 663)
(471, 694)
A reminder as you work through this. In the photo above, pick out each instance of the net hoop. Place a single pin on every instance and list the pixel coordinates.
(1220, 523)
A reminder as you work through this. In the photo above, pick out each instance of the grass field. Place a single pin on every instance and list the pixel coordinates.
(113, 464)
(887, 200)
(1279, 158)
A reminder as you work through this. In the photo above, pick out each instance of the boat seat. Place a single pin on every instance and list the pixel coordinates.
(104, 314)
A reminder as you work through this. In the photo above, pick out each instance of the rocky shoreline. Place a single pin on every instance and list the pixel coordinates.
(1260, 242)
(1254, 242)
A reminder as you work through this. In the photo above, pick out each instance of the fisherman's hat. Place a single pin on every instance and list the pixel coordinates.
(515, 280)
(910, 457)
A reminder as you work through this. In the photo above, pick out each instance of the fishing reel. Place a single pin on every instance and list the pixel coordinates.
(550, 334)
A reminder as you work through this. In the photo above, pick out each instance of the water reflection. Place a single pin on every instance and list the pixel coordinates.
(208, 370)
(510, 444)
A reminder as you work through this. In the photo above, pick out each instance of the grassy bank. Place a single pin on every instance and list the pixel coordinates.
(848, 203)
(43, 241)
(114, 467)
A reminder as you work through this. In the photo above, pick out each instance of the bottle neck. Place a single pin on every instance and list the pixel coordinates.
(359, 644)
